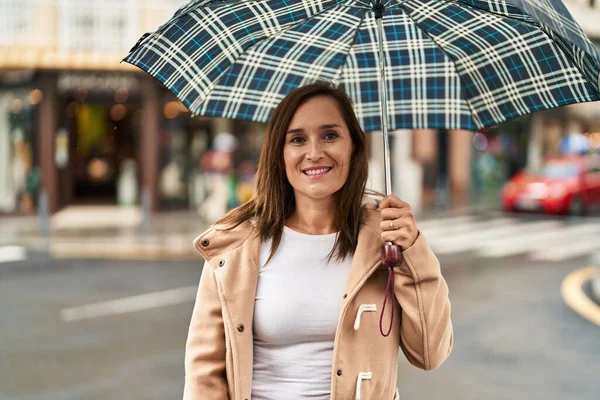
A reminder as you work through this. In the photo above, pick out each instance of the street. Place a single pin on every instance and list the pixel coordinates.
(514, 336)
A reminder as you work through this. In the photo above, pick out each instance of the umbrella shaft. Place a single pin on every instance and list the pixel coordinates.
(383, 103)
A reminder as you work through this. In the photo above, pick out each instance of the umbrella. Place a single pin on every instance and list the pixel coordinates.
(461, 64)
(454, 64)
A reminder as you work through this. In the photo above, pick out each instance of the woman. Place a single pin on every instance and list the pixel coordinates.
(290, 297)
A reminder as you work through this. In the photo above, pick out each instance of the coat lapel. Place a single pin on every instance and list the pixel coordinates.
(366, 256)
(239, 278)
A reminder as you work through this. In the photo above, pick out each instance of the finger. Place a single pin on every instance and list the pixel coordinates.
(399, 224)
(397, 237)
(388, 225)
(396, 213)
(392, 201)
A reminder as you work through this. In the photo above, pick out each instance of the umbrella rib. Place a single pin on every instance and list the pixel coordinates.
(533, 24)
(560, 44)
(368, 5)
(225, 70)
(530, 21)
(474, 115)
(340, 71)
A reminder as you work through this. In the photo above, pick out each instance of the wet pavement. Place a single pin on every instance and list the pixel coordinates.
(106, 232)
(514, 336)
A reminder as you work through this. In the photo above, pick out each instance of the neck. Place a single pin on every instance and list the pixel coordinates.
(313, 217)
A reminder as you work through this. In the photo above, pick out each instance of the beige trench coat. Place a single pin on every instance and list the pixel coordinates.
(219, 350)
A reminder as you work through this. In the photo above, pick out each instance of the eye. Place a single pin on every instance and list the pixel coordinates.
(297, 140)
(332, 135)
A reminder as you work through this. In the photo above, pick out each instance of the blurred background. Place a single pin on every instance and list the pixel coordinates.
(105, 179)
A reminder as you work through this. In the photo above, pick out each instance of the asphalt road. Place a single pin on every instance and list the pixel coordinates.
(514, 337)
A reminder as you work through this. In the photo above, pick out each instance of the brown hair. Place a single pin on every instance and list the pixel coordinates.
(274, 196)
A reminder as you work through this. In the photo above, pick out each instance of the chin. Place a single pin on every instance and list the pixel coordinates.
(320, 194)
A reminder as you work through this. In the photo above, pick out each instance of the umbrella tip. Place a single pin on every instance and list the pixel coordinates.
(378, 8)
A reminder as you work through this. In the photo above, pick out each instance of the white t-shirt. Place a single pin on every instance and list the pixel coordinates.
(296, 313)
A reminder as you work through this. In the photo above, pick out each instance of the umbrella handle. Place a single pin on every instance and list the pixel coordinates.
(391, 256)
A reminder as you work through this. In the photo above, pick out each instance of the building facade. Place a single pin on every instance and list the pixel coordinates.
(77, 126)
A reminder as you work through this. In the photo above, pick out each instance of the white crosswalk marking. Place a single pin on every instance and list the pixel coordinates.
(536, 241)
(430, 223)
(545, 240)
(12, 254)
(434, 232)
(452, 244)
(578, 248)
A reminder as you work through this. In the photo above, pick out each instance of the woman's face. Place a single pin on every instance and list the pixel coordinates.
(318, 148)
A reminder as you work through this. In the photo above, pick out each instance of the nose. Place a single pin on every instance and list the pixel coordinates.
(315, 150)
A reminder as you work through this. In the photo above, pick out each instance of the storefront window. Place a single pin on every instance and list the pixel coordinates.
(98, 129)
(183, 141)
(229, 167)
(18, 160)
(206, 166)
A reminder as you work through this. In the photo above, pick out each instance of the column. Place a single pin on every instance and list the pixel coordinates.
(46, 128)
(149, 147)
(376, 180)
(222, 125)
(536, 144)
(459, 166)
(425, 153)
(407, 175)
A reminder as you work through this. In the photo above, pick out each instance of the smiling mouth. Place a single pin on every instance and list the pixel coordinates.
(317, 173)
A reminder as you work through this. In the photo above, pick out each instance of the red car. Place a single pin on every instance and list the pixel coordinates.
(563, 185)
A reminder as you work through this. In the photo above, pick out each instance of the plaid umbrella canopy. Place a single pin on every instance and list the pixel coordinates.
(449, 64)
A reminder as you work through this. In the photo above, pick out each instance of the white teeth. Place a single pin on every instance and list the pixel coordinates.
(317, 171)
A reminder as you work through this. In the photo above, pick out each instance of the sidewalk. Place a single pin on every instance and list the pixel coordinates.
(106, 232)
(112, 232)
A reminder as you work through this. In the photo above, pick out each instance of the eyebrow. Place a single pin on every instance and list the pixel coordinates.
(326, 126)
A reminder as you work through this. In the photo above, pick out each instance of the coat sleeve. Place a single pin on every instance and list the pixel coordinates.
(205, 375)
(426, 330)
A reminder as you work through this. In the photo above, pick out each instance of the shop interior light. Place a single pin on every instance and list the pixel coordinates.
(16, 106)
(121, 95)
(99, 170)
(118, 112)
(480, 142)
(172, 109)
(7, 97)
(35, 97)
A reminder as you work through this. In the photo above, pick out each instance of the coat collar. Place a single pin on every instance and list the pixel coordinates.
(217, 242)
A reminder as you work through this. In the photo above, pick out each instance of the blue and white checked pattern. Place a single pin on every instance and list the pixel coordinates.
(449, 63)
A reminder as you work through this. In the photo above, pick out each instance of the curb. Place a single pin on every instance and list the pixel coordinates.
(595, 287)
(574, 296)
(147, 250)
(124, 251)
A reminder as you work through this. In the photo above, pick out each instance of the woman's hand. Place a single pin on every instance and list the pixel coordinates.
(397, 222)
